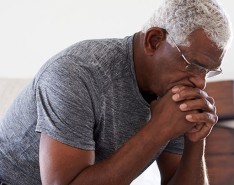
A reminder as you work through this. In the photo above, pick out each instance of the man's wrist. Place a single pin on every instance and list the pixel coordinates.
(195, 146)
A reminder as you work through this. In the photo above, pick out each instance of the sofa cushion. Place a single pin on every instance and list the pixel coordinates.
(9, 89)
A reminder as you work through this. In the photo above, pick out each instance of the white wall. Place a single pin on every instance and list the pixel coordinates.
(32, 31)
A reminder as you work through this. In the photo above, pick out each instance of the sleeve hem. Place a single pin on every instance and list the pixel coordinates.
(57, 137)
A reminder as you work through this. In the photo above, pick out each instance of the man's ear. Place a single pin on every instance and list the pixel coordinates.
(153, 38)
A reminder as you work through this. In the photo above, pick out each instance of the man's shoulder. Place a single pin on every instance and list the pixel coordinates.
(95, 43)
(89, 58)
(90, 52)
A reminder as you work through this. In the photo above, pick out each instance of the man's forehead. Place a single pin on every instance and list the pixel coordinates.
(199, 38)
(201, 43)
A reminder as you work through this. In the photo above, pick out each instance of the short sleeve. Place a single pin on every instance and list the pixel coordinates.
(176, 145)
(64, 103)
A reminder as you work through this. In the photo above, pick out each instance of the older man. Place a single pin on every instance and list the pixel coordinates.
(101, 111)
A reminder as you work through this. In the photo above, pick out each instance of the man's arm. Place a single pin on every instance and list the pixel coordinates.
(62, 164)
(188, 169)
(59, 163)
(191, 168)
(168, 163)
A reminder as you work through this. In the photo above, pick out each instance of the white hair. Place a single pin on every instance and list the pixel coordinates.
(181, 17)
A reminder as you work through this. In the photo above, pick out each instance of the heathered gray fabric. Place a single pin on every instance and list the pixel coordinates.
(86, 97)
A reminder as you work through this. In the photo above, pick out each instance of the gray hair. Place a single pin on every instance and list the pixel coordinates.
(181, 17)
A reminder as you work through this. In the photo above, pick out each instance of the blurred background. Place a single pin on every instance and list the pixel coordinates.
(32, 31)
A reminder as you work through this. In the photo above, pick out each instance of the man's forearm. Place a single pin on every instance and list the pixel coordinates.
(192, 168)
(126, 164)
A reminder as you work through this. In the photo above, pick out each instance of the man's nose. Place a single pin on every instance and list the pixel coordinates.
(199, 81)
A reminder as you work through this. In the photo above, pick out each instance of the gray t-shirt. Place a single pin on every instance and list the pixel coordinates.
(86, 97)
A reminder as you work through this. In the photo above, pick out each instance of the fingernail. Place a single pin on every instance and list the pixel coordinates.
(175, 89)
(189, 117)
(183, 106)
(175, 96)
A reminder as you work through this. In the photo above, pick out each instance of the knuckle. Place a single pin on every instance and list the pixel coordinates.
(209, 105)
(212, 118)
(207, 116)
(202, 93)
(211, 101)
(199, 91)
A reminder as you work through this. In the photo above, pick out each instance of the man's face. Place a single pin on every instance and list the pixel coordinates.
(201, 51)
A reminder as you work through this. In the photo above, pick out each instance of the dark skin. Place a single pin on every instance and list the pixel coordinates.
(62, 164)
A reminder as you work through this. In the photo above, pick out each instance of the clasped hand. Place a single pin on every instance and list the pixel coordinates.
(204, 111)
(185, 110)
